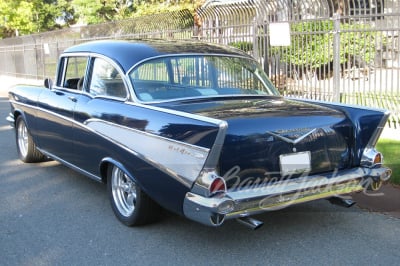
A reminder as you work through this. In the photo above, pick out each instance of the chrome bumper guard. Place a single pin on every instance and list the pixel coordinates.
(10, 119)
(213, 211)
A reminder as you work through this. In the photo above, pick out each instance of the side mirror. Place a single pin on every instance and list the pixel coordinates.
(48, 83)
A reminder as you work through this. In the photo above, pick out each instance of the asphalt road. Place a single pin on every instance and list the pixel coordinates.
(50, 215)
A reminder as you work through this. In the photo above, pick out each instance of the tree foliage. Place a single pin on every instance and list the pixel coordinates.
(21, 17)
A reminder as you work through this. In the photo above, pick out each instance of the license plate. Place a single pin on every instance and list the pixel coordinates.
(295, 163)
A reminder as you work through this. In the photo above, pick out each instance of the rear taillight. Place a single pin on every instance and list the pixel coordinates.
(371, 158)
(378, 158)
(217, 185)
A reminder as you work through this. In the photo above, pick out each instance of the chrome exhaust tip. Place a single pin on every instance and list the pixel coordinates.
(250, 222)
(375, 184)
(342, 202)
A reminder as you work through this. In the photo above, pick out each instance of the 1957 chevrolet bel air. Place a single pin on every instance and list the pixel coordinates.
(195, 128)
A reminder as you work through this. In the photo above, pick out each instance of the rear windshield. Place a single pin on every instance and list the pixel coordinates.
(175, 77)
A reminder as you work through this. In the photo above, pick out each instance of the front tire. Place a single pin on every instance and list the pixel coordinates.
(26, 148)
(130, 204)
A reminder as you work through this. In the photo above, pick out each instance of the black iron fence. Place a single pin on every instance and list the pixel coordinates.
(333, 50)
(35, 56)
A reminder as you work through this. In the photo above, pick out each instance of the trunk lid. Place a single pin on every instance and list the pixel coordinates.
(272, 137)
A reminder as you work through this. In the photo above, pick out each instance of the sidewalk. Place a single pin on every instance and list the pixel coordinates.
(6, 82)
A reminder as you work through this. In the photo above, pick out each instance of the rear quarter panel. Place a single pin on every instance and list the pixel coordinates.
(24, 101)
(154, 145)
(368, 124)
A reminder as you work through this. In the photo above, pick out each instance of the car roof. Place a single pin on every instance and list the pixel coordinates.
(129, 52)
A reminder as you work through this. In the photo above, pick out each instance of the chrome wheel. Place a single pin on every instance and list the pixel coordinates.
(23, 139)
(123, 192)
(129, 202)
(26, 147)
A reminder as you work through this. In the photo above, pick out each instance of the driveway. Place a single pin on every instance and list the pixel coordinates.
(51, 215)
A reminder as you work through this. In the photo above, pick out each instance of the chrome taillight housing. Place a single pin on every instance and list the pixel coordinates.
(371, 158)
(217, 185)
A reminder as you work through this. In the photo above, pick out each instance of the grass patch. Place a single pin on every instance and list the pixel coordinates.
(391, 157)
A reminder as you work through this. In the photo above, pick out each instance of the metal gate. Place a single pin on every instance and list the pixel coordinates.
(334, 50)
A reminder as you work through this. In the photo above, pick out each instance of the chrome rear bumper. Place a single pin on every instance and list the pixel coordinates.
(248, 201)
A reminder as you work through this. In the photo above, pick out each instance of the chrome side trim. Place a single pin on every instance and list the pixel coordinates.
(178, 113)
(44, 110)
(377, 133)
(337, 104)
(209, 171)
(121, 143)
(183, 159)
(268, 197)
(72, 166)
(216, 149)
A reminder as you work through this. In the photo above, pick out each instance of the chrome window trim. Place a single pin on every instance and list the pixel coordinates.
(136, 99)
(207, 97)
(90, 57)
(183, 55)
(62, 59)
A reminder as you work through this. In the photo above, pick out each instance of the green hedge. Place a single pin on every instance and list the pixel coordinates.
(312, 43)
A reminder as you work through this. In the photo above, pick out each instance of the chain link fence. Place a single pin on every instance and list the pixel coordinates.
(334, 50)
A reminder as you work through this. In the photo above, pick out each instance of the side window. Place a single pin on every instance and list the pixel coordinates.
(105, 80)
(75, 69)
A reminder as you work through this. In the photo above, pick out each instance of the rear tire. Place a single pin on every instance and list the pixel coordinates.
(130, 204)
(27, 151)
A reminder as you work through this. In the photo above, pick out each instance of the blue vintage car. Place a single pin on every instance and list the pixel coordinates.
(195, 128)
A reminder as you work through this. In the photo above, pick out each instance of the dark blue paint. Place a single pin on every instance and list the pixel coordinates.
(56, 119)
(364, 122)
(249, 146)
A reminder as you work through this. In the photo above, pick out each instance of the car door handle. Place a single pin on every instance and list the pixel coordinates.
(72, 98)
